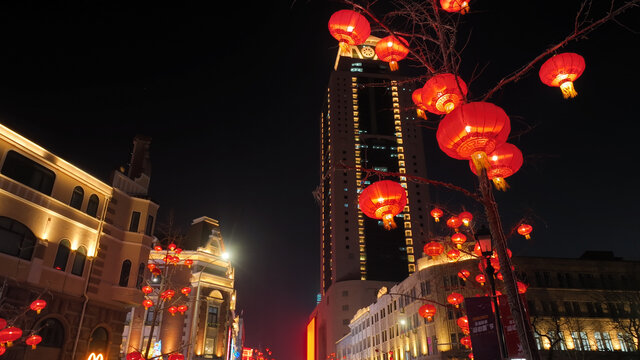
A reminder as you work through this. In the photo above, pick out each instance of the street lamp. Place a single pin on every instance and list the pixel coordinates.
(483, 236)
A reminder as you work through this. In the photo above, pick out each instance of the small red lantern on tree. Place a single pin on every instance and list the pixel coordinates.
(416, 96)
(433, 248)
(453, 254)
(186, 290)
(176, 357)
(33, 340)
(464, 274)
(392, 49)
(455, 299)
(178, 250)
(182, 309)
(427, 311)
(167, 294)
(156, 272)
(10, 334)
(454, 222)
(504, 161)
(349, 28)
(466, 341)
(522, 287)
(525, 230)
(437, 214)
(147, 304)
(443, 93)
(135, 355)
(157, 248)
(458, 239)
(172, 310)
(2, 350)
(172, 246)
(383, 200)
(473, 130)
(466, 217)
(188, 262)
(463, 322)
(151, 267)
(477, 250)
(147, 289)
(480, 278)
(561, 71)
(38, 305)
(461, 6)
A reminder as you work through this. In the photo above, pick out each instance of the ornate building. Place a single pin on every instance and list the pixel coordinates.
(74, 241)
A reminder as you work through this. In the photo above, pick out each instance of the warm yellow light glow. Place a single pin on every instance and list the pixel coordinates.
(311, 333)
(93, 356)
(389, 43)
(467, 128)
(349, 28)
(568, 91)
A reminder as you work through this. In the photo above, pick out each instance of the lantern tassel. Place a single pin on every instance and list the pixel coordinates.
(345, 49)
(465, 8)
(393, 65)
(388, 222)
(568, 91)
(500, 183)
(421, 114)
(480, 161)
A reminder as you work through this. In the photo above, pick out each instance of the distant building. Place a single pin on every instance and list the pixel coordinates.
(74, 241)
(579, 308)
(368, 121)
(209, 329)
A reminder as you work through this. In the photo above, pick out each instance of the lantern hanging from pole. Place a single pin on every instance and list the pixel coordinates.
(392, 49)
(186, 291)
(480, 278)
(461, 6)
(156, 272)
(416, 96)
(33, 340)
(471, 355)
(188, 262)
(151, 267)
(477, 250)
(172, 246)
(172, 310)
(178, 250)
(504, 161)
(463, 322)
(472, 131)
(38, 305)
(167, 294)
(464, 274)
(561, 71)
(465, 217)
(454, 222)
(349, 28)
(383, 200)
(433, 248)
(443, 93)
(147, 289)
(455, 299)
(437, 214)
(157, 248)
(466, 341)
(427, 311)
(135, 355)
(458, 239)
(453, 254)
(522, 287)
(525, 230)
(147, 304)
(9, 335)
(182, 309)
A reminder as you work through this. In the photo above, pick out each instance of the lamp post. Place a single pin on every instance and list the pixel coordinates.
(486, 247)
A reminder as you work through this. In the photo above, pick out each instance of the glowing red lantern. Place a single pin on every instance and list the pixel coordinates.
(173, 310)
(383, 200)
(172, 246)
(147, 304)
(522, 287)
(466, 341)
(525, 230)
(561, 71)
(182, 309)
(504, 161)
(156, 272)
(188, 262)
(453, 254)
(464, 274)
(33, 340)
(151, 267)
(477, 250)
(455, 299)
(454, 222)
(458, 239)
(473, 130)
(147, 289)
(471, 356)
(466, 217)
(178, 250)
(167, 294)
(2, 350)
(3, 323)
(176, 357)
(10, 334)
(437, 214)
(38, 305)
(167, 259)
(427, 311)
(461, 6)
(175, 260)
(349, 28)
(416, 96)
(135, 355)
(157, 248)
(392, 49)
(433, 248)
(463, 322)
(480, 278)
(186, 290)
(443, 93)
(499, 276)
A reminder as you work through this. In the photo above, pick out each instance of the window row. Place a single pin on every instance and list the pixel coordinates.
(581, 341)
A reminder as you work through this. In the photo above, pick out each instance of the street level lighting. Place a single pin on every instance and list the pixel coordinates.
(483, 237)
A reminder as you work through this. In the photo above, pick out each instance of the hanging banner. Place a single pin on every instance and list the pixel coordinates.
(514, 346)
(482, 328)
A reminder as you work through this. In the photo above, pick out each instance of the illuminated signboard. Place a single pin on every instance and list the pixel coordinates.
(93, 356)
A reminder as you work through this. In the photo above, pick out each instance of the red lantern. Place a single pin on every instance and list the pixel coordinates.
(38, 305)
(499, 276)
(3, 323)
(433, 248)
(383, 200)
(156, 272)
(9, 335)
(147, 289)
(437, 214)
(349, 28)
(427, 311)
(561, 71)
(471, 356)
(135, 355)
(461, 6)
(172, 246)
(186, 290)
(454, 223)
(167, 259)
(175, 260)
(173, 310)
(167, 294)
(522, 287)
(525, 230)
(463, 322)
(176, 357)
(416, 96)
(33, 340)
(480, 278)
(458, 239)
(182, 309)
(453, 254)
(466, 217)
(472, 131)
(151, 267)
(147, 304)
(504, 161)
(188, 262)
(477, 250)
(466, 341)
(178, 250)
(464, 274)
(2, 350)
(443, 93)
(157, 248)
(455, 299)
(392, 49)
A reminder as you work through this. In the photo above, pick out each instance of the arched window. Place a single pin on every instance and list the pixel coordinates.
(77, 197)
(78, 261)
(62, 256)
(16, 239)
(140, 276)
(99, 341)
(124, 273)
(52, 333)
(92, 205)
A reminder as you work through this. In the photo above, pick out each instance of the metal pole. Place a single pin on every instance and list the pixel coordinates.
(490, 272)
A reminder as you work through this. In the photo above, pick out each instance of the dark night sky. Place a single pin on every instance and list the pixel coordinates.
(231, 94)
